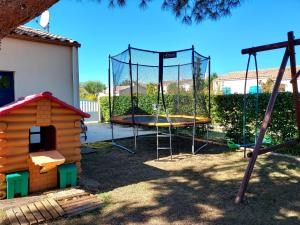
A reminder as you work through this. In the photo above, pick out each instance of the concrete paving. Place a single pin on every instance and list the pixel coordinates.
(102, 132)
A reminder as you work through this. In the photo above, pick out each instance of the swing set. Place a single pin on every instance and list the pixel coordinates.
(258, 150)
(267, 139)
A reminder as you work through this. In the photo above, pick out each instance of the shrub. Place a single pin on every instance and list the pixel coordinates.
(227, 111)
(122, 105)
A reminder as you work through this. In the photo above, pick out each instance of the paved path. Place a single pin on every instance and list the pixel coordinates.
(102, 132)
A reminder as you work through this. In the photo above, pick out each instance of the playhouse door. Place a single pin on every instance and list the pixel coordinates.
(7, 92)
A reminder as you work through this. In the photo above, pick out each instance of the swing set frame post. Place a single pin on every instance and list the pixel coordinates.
(289, 54)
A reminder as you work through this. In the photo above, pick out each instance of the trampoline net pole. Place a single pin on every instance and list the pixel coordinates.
(109, 99)
(209, 87)
(137, 86)
(194, 98)
(178, 89)
(135, 136)
(132, 97)
(170, 142)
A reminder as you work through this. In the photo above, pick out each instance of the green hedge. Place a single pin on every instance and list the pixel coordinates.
(227, 111)
(123, 105)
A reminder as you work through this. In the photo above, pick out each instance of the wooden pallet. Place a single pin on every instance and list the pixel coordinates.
(49, 208)
(34, 213)
(79, 203)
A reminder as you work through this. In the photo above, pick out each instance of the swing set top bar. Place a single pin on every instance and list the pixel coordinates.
(262, 48)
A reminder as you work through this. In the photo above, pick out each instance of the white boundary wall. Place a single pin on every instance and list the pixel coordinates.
(91, 107)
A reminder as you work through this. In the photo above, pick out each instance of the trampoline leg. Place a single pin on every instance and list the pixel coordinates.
(123, 147)
(170, 142)
(135, 137)
(193, 144)
(206, 141)
(118, 145)
(157, 157)
(206, 134)
(112, 132)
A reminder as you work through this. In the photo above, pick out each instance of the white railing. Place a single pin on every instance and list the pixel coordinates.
(91, 107)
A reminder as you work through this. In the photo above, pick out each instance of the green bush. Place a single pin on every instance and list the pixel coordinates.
(104, 105)
(122, 105)
(227, 111)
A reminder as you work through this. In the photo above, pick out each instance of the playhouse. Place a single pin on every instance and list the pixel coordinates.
(39, 143)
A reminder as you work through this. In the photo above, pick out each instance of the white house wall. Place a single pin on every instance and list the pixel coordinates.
(237, 86)
(39, 67)
(288, 85)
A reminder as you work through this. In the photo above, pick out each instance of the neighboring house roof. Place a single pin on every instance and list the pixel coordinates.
(36, 97)
(122, 87)
(262, 74)
(183, 81)
(31, 34)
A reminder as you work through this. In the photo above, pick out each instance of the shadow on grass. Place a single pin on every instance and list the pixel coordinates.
(192, 190)
(124, 168)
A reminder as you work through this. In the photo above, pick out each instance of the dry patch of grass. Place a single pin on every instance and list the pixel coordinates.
(137, 189)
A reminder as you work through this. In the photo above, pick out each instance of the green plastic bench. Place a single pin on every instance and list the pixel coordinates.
(17, 183)
(67, 175)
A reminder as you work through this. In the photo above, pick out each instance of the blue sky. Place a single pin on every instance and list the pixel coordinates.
(103, 31)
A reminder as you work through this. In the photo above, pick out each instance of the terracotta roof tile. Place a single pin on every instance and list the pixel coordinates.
(262, 74)
(23, 31)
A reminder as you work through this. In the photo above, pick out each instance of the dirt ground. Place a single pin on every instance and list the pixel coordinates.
(200, 189)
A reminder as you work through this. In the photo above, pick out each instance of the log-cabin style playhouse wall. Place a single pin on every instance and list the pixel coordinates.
(17, 118)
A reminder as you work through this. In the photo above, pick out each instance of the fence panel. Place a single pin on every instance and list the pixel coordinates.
(91, 107)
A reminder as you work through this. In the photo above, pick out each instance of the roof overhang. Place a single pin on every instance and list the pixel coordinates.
(43, 40)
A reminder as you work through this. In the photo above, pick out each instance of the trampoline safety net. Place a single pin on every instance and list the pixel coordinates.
(150, 88)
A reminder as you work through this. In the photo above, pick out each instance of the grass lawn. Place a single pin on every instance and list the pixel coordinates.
(292, 150)
(200, 189)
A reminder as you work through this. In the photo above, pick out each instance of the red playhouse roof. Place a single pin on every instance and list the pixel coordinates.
(32, 98)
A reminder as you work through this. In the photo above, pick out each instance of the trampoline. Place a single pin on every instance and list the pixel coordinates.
(167, 90)
(160, 120)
